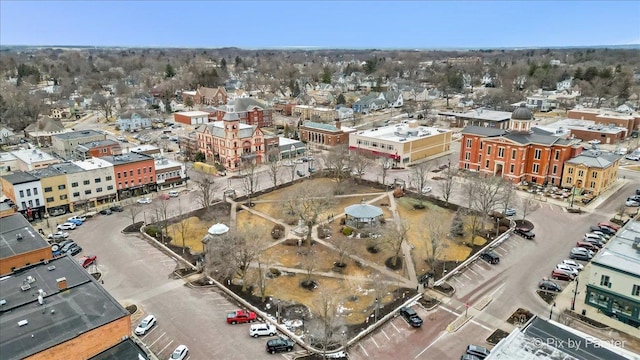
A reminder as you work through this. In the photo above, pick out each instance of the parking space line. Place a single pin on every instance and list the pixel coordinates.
(465, 275)
(166, 346)
(363, 350)
(160, 337)
(470, 269)
(482, 326)
(385, 334)
(150, 331)
(500, 251)
(458, 281)
(394, 326)
(430, 345)
(374, 342)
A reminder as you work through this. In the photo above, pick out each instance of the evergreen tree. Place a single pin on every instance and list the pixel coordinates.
(341, 100)
(169, 71)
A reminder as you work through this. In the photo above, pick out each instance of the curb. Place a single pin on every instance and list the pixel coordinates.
(458, 323)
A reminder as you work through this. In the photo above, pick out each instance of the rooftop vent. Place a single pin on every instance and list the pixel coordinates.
(30, 279)
(3, 302)
(25, 287)
(62, 283)
(18, 236)
(51, 268)
(22, 322)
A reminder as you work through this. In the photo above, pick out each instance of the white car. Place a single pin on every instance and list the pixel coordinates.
(173, 193)
(58, 235)
(568, 269)
(633, 157)
(121, 138)
(573, 264)
(66, 226)
(144, 200)
(179, 353)
(77, 217)
(631, 203)
(146, 324)
(426, 189)
(263, 329)
(594, 142)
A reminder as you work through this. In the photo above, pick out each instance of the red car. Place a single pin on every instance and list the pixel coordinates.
(241, 316)
(610, 226)
(87, 261)
(587, 245)
(561, 275)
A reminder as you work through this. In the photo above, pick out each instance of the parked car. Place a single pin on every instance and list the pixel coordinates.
(633, 157)
(179, 353)
(105, 212)
(597, 243)
(568, 269)
(144, 200)
(173, 193)
(613, 227)
(573, 264)
(634, 198)
(411, 316)
(263, 329)
(580, 254)
(561, 275)
(478, 351)
(75, 249)
(87, 261)
(78, 217)
(509, 212)
(549, 285)
(469, 357)
(66, 226)
(587, 245)
(164, 196)
(525, 233)
(116, 208)
(76, 222)
(631, 203)
(145, 325)
(490, 257)
(603, 229)
(59, 235)
(241, 316)
(426, 189)
(279, 345)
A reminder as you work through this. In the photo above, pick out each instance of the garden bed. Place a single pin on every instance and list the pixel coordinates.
(586, 319)
(520, 316)
(496, 336)
(547, 296)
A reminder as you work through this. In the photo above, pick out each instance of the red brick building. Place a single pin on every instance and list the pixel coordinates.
(631, 122)
(207, 96)
(98, 149)
(250, 111)
(134, 174)
(324, 134)
(517, 154)
(230, 142)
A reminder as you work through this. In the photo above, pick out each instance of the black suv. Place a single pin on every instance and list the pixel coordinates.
(478, 351)
(411, 316)
(490, 257)
(549, 285)
(116, 208)
(525, 233)
(279, 345)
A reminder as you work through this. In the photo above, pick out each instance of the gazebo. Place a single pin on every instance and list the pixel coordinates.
(361, 215)
(214, 231)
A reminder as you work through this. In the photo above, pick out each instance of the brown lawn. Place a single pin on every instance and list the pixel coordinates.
(195, 229)
(258, 225)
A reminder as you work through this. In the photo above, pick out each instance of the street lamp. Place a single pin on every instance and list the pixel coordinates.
(551, 310)
(375, 319)
(575, 294)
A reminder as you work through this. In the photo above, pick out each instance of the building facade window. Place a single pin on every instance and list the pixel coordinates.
(514, 153)
(109, 187)
(21, 192)
(467, 155)
(98, 189)
(48, 189)
(580, 173)
(87, 192)
(486, 164)
(511, 168)
(35, 191)
(536, 168)
(500, 152)
(570, 171)
(569, 179)
(537, 153)
(636, 290)
(554, 169)
(593, 185)
(74, 184)
(605, 281)
(28, 192)
(97, 180)
(62, 187)
(488, 150)
(50, 199)
(557, 155)
(76, 194)
(594, 174)
(108, 178)
(86, 182)
(63, 197)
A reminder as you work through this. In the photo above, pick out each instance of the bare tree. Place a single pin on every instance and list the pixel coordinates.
(133, 211)
(528, 206)
(419, 175)
(337, 162)
(205, 188)
(250, 180)
(394, 238)
(247, 245)
(262, 274)
(360, 161)
(162, 209)
(325, 332)
(273, 165)
(307, 204)
(309, 264)
(105, 105)
(475, 223)
(488, 193)
(344, 247)
(184, 226)
(437, 239)
(448, 184)
(384, 170)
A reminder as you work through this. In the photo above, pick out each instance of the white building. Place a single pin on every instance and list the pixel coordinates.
(170, 173)
(8, 163)
(27, 193)
(99, 173)
(32, 159)
(614, 278)
(191, 117)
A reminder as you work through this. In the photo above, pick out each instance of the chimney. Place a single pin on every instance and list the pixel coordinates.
(338, 124)
(62, 283)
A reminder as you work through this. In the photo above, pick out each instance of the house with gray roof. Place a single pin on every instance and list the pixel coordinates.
(134, 120)
(40, 132)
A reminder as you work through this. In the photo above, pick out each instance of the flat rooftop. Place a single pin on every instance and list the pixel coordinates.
(6, 156)
(93, 144)
(10, 227)
(400, 132)
(127, 158)
(67, 168)
(85, 305)
(193, 113)
(480, 114)
(622, 251)
(92, 164)
(78, 134)
(29, 156)
(143, 148)
(20, 177)
(543, 339)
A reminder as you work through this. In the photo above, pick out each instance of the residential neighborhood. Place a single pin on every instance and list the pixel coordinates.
(328, 203)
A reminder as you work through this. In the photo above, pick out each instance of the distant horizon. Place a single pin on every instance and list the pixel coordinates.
(319, 25)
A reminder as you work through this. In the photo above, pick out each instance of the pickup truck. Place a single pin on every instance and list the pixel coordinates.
(241, 316)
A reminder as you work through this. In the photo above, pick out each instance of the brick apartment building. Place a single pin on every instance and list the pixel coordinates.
(97, 149)
(250, 111)
(324, 134)
(134, 174)
(206, 96)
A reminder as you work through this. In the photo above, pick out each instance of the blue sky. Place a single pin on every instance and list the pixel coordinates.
(325, 24)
